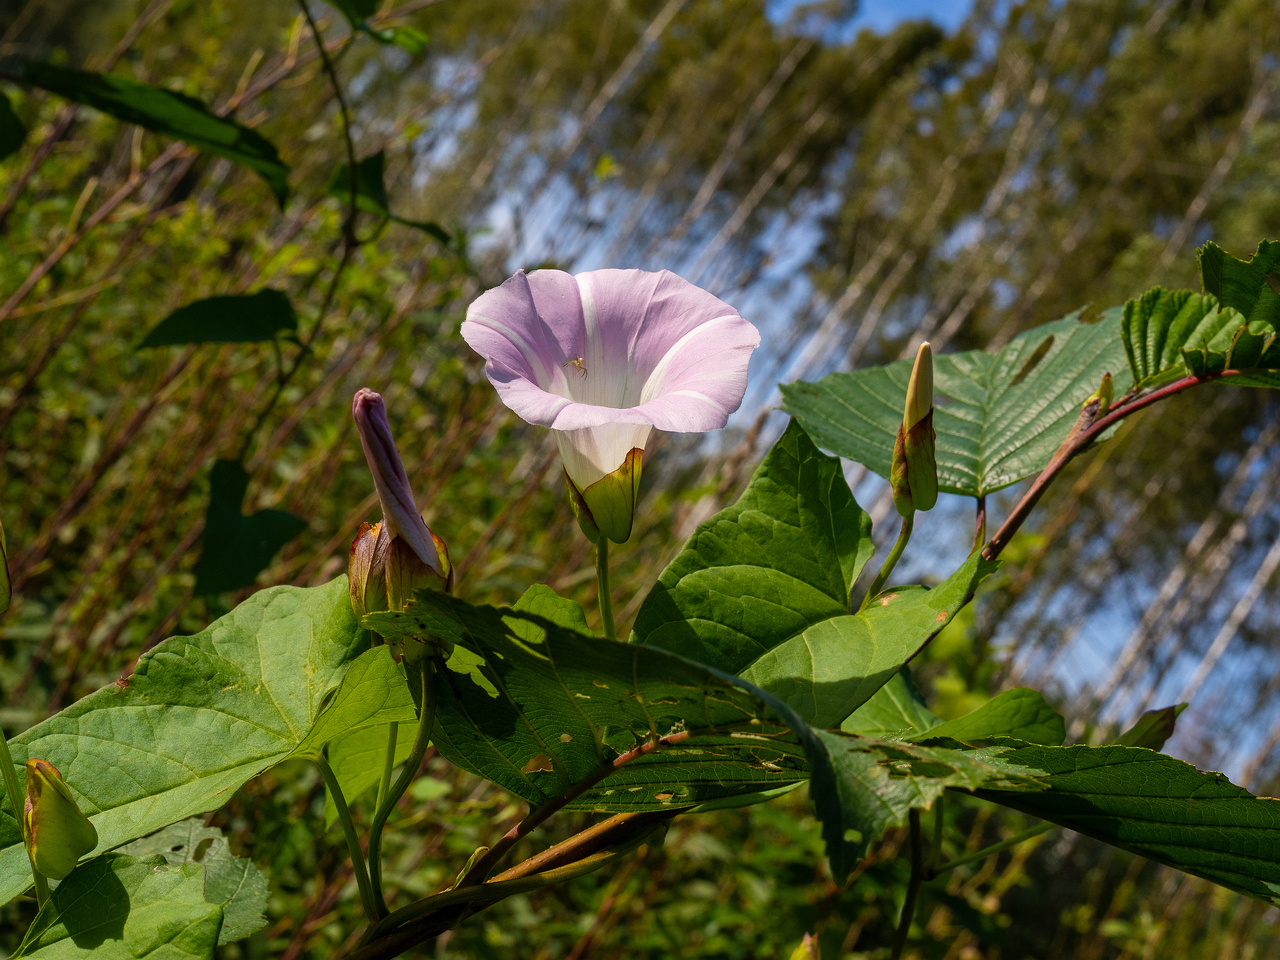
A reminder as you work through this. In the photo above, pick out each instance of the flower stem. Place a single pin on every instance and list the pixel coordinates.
(16, 802)
(426, 720)
(891, 561)
(349, 831)
(388, 765)
(604, 595)
(913, 887)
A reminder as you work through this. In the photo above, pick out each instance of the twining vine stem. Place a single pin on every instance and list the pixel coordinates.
(913, 886)
(349, 831)
(1081, 442)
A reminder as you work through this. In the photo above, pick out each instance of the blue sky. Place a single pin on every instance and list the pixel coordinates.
(883, 15)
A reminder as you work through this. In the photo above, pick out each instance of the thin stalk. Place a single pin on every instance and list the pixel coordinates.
(17, 803)
(935, 848)
(913, 887)
(349, 831)
(421, 739)
(1082, 441)
(388, 765)
(994, 848)
(494, 890)
(891, 561)
(980, 525)
(605, 596)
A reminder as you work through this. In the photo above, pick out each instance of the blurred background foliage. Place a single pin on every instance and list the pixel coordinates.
(851, 192)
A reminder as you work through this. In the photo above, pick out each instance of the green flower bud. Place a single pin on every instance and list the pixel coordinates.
(913, 476)
(607, 507)
(57, 834)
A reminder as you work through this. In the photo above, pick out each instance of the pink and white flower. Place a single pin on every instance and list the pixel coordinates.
(604, 357)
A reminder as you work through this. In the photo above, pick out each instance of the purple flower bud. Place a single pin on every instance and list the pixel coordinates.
(399, 513)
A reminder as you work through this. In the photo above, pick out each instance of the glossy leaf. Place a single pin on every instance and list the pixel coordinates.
(780, 560)
(200, 716)
(118, 907)
(243, 318)
(1158, 807)
(999, 416)
(12, 132)
(165, 112)
(236, 547)
(231, 881)
(831, 668)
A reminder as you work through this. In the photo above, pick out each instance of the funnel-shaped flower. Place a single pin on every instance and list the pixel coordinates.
(604, 357)
(393, 558)
(56, 832)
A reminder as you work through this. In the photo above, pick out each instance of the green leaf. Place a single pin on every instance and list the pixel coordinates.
(371, 194)
(863, 787)
(12, 132)
(118, 907)
(780, 560)
(1156, 326)
(410, 39)
(244, 318)
(999, 417)
(165, 112)
(236, 548)
(1153, 728)
(230, 881)
(1019, 713)
(200, 716)
(896, 711)
(356, 11)
(1157, 807)
(830, 669)
(1251, 286)
(541, 709)
(374, 691)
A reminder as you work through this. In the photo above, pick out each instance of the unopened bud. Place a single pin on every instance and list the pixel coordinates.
(913, 476)
(57, 834)
(392, 559)
(366, 569)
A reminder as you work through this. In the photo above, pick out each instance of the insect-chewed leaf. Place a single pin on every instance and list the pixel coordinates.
(999, 416)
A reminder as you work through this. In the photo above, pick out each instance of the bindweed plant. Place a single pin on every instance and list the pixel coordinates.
(754, 665)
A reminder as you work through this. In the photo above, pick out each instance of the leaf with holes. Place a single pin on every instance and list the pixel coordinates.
(230, 881)
(165, 112)
(544, 709)
(999, 417)
(243, 318)
(780, 560)
(1157, 807)
(832, 667)
(118, 907)
(237, 547)
(199, 717)
(863, 787)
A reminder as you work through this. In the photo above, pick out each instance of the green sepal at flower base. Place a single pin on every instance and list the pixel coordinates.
(913, 476)
(57, 834)
(607, 508)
